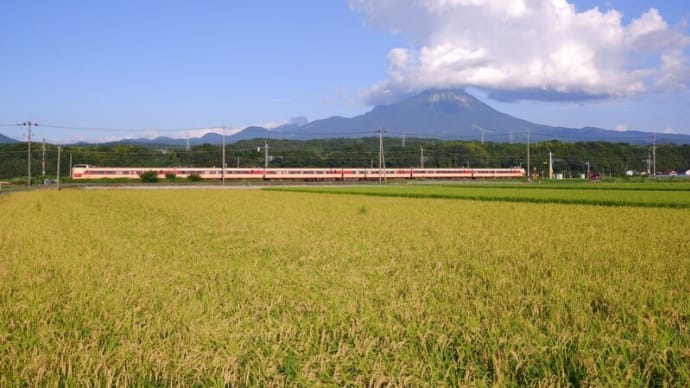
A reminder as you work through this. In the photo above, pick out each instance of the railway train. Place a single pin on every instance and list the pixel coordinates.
(85, 172)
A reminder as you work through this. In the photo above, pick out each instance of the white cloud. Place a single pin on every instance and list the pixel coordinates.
(184, 134)
(668, 130)
(622, 127)
(74, 136)
(534, 49)
(298, 120)
(151, 134)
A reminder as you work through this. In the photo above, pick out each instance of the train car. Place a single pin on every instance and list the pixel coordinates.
(87, 172)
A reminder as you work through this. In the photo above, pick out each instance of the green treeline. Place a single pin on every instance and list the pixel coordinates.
(568, 158)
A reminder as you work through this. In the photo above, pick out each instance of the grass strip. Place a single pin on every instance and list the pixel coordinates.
(490, 198)
(583, 186)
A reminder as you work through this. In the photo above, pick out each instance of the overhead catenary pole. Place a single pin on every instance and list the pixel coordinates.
(421, 157)
(550, 165)
(654, 154)
(222, 169)
(57, 180)
(265, 154)
(43, 158)
(28, 125)
(258, 149)
(481, 129)
(382, 159)
(529, 173)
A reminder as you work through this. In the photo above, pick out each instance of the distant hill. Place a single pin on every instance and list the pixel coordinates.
(7, 140)
(208, 138)
(439, 114)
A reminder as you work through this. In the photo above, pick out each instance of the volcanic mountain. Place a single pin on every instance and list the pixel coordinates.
(455, 114)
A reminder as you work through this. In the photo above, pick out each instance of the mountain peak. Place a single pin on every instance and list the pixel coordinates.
(458, 97)
(448, 100)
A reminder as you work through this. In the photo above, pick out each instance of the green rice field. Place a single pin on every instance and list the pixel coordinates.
(425, 287)
(639, 195)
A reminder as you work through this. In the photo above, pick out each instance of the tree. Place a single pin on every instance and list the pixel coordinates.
(149, 177)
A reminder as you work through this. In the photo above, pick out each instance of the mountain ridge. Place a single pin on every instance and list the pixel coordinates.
(442, 114)
(454, 114)
(7, 140)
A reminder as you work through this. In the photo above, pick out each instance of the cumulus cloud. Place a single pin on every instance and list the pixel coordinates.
(622, 127)
(526, 49)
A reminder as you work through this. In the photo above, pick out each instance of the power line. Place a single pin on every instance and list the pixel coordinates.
(509, 134)
(104, 129)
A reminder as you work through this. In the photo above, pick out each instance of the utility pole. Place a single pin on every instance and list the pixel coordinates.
(265, 154)
(588, 167)
(70, 165)
(382, 159)
(28, 125)
(403, 140)
(550, 165)
(57, 181)
(187, 147)
(529, 173)
(511, 136)
(222, 169)
(43, 158)
(654, 154)
(421, 157)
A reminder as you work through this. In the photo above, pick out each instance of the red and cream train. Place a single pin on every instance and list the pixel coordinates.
(84, 171)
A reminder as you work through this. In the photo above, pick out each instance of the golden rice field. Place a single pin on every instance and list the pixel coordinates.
(249, 287)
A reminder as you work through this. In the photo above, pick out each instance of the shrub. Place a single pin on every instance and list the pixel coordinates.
(171, 177)
(18, 180)
(149, 177)
(194, 177)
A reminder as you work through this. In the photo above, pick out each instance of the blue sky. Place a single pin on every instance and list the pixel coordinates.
(171, 67)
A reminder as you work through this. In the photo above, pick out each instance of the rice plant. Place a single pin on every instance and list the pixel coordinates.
(247, 287)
